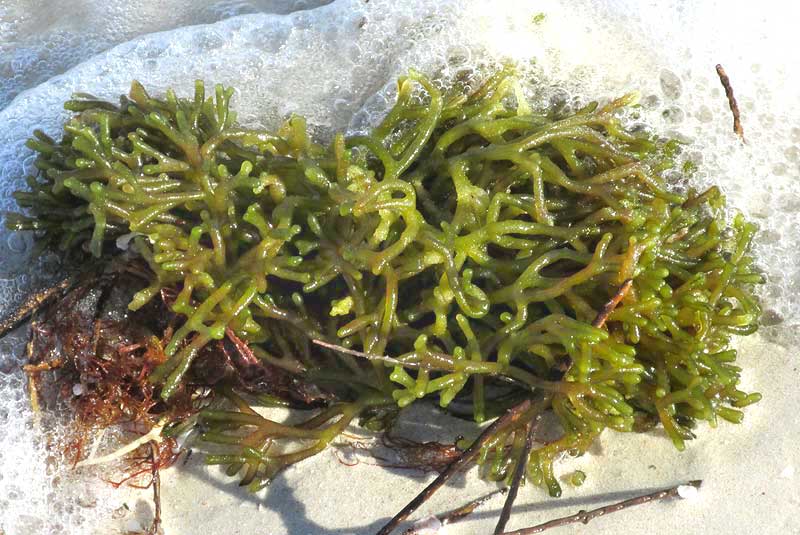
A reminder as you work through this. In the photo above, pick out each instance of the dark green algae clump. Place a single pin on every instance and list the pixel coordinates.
(463, 251)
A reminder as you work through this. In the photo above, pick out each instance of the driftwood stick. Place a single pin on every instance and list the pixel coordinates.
(584, 517)
(516, 481)
(726, 84)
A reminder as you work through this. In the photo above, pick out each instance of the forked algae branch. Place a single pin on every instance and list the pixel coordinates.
(470, 249)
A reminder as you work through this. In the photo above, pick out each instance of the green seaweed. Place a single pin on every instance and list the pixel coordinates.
(466, 241)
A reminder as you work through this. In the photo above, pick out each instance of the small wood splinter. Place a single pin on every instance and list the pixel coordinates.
(519, 473)
(726, 83)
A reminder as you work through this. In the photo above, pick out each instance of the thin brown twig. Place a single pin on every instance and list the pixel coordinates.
(516, 480)
(453, 516)
(609, 307)
(726, 83)
(585, 517)
(154, 527)
(510, 417)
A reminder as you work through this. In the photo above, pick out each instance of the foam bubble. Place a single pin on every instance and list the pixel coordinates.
(337, 65)
(37, 44)
(688, 492)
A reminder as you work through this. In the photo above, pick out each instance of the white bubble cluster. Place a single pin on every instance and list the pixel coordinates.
(39, 494)
(42, 38)
(337, 64)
